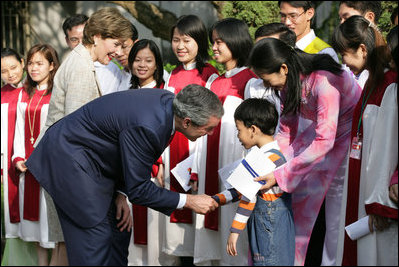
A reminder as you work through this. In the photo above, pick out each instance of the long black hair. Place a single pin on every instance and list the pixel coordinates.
(193, 26)
(355, 31)
(269, 54)
(158, 74)
(234, 32)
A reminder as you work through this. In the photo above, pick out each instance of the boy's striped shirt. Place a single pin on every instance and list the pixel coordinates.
(246, 206)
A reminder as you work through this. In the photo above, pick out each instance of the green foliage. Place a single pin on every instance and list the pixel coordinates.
(169, 67)
(384, 23)
(254, 13)
(258, 13)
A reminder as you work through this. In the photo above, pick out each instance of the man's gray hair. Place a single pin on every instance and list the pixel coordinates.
(197, 103)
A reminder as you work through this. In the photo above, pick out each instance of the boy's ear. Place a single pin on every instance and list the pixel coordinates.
(254, 129)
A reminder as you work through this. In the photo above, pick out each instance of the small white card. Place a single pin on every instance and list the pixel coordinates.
(358, 229)
(255, 164)
(226, 171)
(182, 172)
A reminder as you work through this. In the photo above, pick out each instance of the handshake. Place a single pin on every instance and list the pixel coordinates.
(201, 204)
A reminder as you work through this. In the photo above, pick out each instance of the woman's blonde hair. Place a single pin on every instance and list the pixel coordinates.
(109, 23)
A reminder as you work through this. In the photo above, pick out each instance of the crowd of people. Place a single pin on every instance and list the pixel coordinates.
(89, 144)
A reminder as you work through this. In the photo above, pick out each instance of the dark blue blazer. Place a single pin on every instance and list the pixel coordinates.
(110, 143)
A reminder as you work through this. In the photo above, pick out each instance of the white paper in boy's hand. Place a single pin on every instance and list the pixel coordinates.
(182, 172)
(358, 229)
(226, 171)
(242, 179)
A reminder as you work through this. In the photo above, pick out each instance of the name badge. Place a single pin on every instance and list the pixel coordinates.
(356, 148)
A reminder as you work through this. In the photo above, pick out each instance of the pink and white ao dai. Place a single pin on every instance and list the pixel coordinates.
(315, 142)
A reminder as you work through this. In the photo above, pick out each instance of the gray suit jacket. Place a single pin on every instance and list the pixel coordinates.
(75, 84)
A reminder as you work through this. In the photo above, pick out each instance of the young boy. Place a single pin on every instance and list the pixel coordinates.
(271, 231)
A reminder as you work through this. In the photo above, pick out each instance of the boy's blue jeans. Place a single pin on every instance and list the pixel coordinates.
(271, 232)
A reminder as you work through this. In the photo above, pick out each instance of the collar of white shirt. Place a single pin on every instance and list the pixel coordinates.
(232, 72)
(149, 85)
(190, 66)
(306, 40)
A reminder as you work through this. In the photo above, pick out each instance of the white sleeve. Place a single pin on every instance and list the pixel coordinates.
(19, 137)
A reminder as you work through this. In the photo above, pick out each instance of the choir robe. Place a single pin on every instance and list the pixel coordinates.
(9, 99)
(369, 178)
(178, 237)
(210, 244)
(145, 242)
(33, 207)
(315, 151)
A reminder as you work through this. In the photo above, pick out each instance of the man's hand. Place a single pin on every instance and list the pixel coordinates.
(20, 165)
(393, 193)
(201, 204)
(122, 210)
(270, 181)
(231, 244)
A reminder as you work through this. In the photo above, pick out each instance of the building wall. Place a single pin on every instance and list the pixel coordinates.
(47, 18)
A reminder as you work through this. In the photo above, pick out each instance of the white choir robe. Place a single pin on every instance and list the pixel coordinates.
(11, 229)
(150, 254)
(379, 159)
(178, 238)
(210, 245)
(30, 231)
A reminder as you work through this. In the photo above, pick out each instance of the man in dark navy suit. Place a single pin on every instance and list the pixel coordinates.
(111, 143)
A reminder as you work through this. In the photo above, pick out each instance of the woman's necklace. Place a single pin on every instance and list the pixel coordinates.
(32, 125)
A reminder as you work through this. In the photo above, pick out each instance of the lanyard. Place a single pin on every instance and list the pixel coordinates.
(362, 110)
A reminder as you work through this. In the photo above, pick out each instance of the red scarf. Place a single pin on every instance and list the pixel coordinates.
(140, 212)
(32, 187)
(352, 202)
(179, 148)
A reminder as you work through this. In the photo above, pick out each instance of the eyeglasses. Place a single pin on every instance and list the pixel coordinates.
(74, 40)
(292, 17)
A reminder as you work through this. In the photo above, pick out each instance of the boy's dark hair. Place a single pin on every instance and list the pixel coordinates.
(258, 112)
(234, 32)
(73, 21)
(285, 34)
(364, 6)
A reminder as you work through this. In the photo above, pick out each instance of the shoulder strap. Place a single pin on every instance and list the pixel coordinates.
(278, 152)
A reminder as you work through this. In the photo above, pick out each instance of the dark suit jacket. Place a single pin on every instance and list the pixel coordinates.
(84, 155)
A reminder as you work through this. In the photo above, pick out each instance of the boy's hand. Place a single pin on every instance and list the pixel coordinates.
(231, 244)
(269, 179)
(377, 222)
(160, 176)
(393, 193)
(20, 165)
(194, 185)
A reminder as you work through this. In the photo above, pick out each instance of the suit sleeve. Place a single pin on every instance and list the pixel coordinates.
(140, 148)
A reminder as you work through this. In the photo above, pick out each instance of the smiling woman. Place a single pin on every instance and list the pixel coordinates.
(75, 84)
